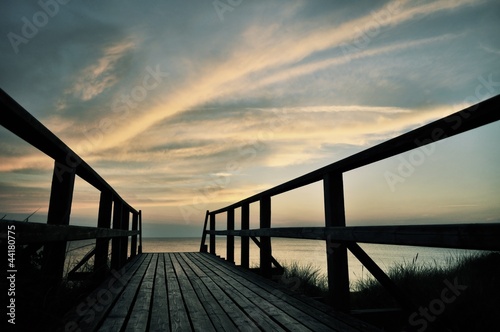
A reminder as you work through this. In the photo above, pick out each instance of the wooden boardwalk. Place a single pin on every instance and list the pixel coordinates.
(200, 292)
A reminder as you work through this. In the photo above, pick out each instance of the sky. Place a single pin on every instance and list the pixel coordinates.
(184, 106)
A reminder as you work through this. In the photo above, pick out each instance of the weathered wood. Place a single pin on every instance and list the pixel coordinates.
(245, 241)
(197, 291)
(116, 243)
(124, 225)
(247, 304)
(197, 313)
(203, 246)
(118, 314)
(160, 318)
(213, 309)
(61, 197)
(458, 236)
(179, 320)
(212, 236)
(336, 321)
(36, 233)
(273, 260)
(103, 221)
(230, 308)
(139, 316)
(140, 232)
(85, 259)
(133, 240)
(88, 315)
(265, 241)
(230, 238)
(336, 253)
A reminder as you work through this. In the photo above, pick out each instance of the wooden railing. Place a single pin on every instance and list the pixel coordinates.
(113, 220)
(338, 237)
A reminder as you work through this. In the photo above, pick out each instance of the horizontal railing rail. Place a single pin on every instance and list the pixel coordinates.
(338, 237)
(453, 236)
(114, 216)
(31, 232)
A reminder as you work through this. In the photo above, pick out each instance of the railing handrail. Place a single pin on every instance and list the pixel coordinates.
(20, 122)
(469, 118)
(113, 220)
(337, 236)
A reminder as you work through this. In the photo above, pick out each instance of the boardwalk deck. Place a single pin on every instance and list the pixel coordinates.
(199, 292)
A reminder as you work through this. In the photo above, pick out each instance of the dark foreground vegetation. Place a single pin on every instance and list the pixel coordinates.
(39, 304)
(463, 295)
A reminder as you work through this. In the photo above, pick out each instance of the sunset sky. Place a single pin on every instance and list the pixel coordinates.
(184, 106)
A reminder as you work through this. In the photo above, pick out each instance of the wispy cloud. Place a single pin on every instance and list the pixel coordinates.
(99, 76)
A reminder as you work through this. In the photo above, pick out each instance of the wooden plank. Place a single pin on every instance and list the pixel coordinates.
(212, 236)
(217, 315)
(265, 241)
(230, 238)
(275, 298)
(119, 313)
(139, 317)
(179, 320)
(103, 221)
(336, 253)
(458, 236)
(231, 309)
(245, 241)
(259, 317)
(61, 197)
(197, 313)
(203, 246)
(160, 319)
(337, 321)
(87, 315)
(133, 240)
(282, 314)
(31, 232)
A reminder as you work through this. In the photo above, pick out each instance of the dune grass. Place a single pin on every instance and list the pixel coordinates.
(304, 279)
(472, 303)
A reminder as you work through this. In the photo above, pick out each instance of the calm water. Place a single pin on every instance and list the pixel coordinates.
(312, 252)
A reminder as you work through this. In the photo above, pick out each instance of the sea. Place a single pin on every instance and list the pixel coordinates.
(302, 252)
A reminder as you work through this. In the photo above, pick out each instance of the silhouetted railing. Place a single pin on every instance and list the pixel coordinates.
(340, 238)
(54, 235)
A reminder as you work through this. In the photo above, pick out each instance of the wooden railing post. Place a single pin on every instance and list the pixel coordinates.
(124, 240)
(265, 241)
(103, 221)
(203, 246)
(212, 235)
(337, 267)
(61, 197)
(230, 238)
(116, 242)
(140, 232)
(245, 240)
(133, 241)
